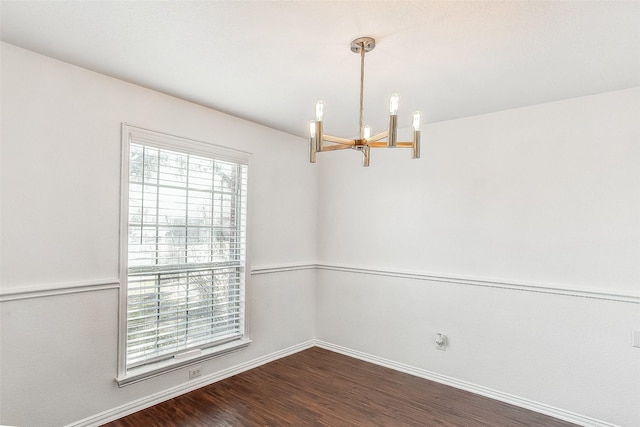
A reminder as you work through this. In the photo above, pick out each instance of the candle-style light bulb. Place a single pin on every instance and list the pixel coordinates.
(416, 120)
(312, 129)
(366, 132)
(416, 134)
(394, 100)
(319, 110)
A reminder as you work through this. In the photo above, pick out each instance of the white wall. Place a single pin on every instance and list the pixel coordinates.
(547, 194)
(517, 234)
(529, 218)
(60, 181)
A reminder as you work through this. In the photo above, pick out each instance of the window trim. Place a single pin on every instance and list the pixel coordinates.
(188, 146)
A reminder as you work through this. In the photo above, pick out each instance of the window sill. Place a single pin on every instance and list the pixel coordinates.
(142, 373)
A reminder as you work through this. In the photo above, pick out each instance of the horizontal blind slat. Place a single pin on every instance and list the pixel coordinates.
(165, 341)
(138, 316)
(212, 329)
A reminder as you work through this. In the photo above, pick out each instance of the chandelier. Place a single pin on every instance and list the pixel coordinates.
(366, 141)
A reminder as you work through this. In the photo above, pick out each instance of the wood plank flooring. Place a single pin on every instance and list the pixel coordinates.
(317, 387)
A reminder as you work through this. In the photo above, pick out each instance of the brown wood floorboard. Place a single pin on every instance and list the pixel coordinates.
(317, 387)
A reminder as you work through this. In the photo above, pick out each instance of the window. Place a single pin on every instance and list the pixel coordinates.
(183, 249)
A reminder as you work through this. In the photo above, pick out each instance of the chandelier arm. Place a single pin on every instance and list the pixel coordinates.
(377, 144)
(379, 136)
(338, 140)
(336, 147)
(384, 145)
(404, 144)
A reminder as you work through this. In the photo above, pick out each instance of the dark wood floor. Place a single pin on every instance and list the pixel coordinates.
(317, 387)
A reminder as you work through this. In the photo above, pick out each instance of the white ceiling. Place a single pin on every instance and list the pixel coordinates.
(269, 61)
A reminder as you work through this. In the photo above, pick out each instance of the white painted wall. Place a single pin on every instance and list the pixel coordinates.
(545, 196)
(541, 199)
(60, 180)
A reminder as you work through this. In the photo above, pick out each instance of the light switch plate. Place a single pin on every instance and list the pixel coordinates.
(636, 339)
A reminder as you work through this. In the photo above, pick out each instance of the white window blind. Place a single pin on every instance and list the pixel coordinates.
(186, 249)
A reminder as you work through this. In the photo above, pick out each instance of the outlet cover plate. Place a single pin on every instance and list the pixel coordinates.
(195, 372)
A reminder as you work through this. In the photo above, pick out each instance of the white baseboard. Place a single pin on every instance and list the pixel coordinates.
(473, 388)
(154, 399)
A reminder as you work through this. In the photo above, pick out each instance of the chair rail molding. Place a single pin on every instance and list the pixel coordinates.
(547, 288)
(49, 290)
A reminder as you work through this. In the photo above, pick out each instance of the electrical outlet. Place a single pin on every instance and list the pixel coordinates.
(194, 372)
(441, 341)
